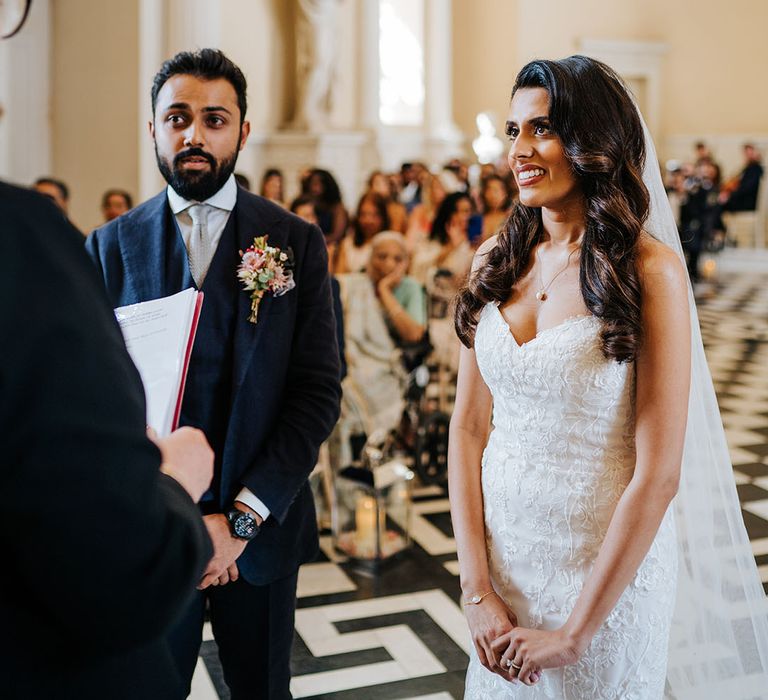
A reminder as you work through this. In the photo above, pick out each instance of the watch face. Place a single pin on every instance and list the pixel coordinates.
(244, 526)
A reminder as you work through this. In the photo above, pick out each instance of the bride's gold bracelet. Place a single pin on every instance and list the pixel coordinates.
(476, 598)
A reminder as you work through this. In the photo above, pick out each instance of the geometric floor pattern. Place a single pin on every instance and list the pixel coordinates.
(733, 315)
(401, 634)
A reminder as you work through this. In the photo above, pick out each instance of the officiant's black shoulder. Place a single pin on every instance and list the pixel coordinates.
(32, 215)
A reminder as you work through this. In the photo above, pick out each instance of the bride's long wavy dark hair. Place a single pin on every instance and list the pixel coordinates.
(593, 115)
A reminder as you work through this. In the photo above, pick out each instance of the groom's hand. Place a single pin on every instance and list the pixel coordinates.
(226, 550)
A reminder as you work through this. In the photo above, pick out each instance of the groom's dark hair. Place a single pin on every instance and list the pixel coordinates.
(206, 64)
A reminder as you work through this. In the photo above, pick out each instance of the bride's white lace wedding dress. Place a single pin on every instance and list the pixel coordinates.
(560, 455)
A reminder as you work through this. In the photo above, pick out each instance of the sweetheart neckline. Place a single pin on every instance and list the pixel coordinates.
(564, 322)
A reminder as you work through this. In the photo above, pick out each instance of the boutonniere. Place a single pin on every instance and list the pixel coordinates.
(263, 269)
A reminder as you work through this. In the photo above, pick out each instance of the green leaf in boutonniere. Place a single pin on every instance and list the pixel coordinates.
(265, 269)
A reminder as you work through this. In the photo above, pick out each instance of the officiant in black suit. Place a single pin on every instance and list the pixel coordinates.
(101, 551)
(266, 394)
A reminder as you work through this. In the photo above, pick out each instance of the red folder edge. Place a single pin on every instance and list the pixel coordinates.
(187, 355)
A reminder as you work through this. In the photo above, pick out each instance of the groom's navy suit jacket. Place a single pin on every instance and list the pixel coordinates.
(266, 394)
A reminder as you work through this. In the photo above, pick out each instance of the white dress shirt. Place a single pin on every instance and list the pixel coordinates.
(220, 206)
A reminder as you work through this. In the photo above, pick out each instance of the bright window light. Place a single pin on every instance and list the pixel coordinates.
(401, 62)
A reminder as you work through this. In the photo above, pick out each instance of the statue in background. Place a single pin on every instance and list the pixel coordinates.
(316, 57)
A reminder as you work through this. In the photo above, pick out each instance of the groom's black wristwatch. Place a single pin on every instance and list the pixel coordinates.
(243, 525)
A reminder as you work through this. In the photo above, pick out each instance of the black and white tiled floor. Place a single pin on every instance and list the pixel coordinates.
(402, 635)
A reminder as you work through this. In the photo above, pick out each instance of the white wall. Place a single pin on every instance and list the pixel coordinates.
(25, 99)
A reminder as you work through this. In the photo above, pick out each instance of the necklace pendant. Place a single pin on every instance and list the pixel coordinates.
(541, 295)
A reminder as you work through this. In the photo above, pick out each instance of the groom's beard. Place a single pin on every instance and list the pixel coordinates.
(196, 185)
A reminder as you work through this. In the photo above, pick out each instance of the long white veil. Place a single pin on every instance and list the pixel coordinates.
(719, 641)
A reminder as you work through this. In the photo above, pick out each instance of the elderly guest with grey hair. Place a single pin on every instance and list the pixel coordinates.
(384, 310)
(401, 298)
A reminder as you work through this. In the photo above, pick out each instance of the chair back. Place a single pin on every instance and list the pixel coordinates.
(761, 213)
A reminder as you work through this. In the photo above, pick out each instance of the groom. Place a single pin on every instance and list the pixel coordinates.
(266, 394)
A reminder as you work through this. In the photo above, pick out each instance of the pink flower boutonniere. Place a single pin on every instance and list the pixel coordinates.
(265, 269)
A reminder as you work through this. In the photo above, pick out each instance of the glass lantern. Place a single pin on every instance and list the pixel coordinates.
(372, 511)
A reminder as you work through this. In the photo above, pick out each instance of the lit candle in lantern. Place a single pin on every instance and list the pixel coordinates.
(365, 525)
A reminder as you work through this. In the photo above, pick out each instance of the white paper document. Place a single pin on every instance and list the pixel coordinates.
(159, 335)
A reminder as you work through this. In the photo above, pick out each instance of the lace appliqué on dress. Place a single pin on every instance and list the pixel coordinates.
(558, 459)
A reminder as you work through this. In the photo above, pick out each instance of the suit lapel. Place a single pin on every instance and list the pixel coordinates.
(142, 246)
(253, 219)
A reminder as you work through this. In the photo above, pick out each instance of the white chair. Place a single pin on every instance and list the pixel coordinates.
(748, 228)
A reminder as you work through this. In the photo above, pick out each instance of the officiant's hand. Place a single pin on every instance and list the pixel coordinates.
(534, 650)
(488, 621)
(187, 458)
(226, 550)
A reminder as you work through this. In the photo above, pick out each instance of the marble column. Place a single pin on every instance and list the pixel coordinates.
(151, 55)
(165, 28)
(443, 139)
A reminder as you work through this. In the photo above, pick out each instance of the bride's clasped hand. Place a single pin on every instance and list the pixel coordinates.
(534, 651)
(503, 646)
(489, 621)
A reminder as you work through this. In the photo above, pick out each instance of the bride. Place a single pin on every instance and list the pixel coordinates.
(601, 548)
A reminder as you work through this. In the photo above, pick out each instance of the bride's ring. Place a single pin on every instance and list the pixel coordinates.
(515, 666)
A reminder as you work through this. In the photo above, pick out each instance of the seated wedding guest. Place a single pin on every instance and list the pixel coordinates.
(401, 298)
(380, 183)
(303, 179)
(456, 170)
(740, 194)
(243, 181)
(701, 152)
(331, 214)
(496, 200)
(371, 218)
(675, 188)
(272, 186)
(114, 203)
(700, 221)
(396, 186)
(103, 543)
(304, 207)
(486, 170)
(56, 190)
(511, 182)
(384, 311)
(410, 187)
(448, 247)
(420, 220)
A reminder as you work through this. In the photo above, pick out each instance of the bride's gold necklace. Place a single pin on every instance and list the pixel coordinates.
(541, 295)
